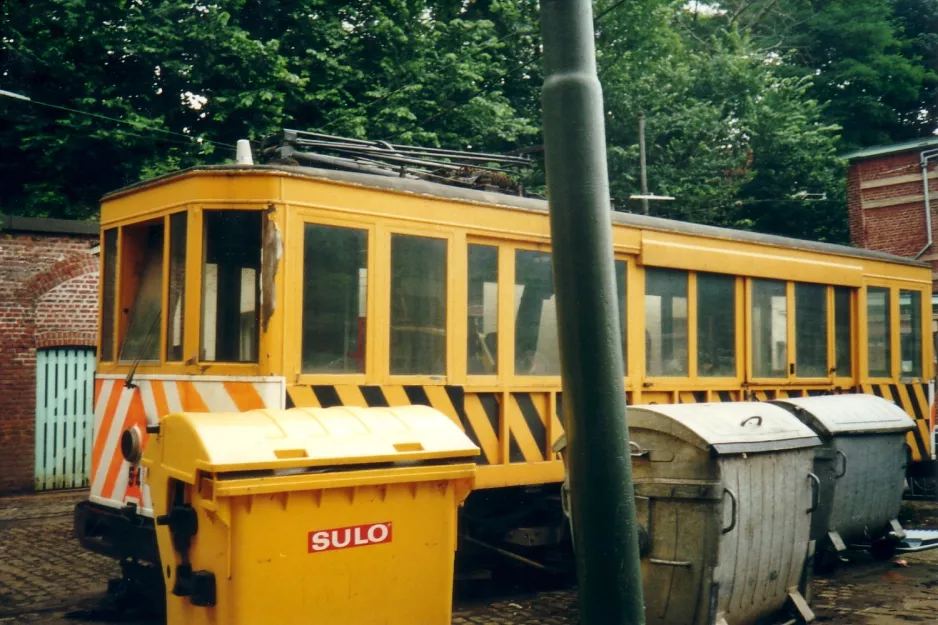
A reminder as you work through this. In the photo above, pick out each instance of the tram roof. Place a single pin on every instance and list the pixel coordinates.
(439, 190)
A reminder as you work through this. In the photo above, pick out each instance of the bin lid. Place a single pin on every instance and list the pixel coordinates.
(308, 438)
(849, 414)
(726, 428)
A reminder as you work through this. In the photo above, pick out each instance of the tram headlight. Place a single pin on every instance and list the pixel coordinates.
(131, 445)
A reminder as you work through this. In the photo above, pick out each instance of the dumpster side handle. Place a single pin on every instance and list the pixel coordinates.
(843, 470)
(815, 492)
(735, 513)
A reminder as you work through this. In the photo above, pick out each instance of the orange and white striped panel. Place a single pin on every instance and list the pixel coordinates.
(116, 482)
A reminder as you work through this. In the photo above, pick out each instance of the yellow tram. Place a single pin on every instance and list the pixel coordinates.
(228, 288)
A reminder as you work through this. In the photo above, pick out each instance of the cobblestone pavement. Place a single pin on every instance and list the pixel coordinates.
(44, 576)
(42, 569)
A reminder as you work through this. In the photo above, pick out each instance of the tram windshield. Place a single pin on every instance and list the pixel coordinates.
(142, 266)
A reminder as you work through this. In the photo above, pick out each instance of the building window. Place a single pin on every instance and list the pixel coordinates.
(811, 330)
(621, 269)
(141, 291)
(910, 333)
(843, 352)
(879, 341)
(177, 284)
(482, 313)
(109, 278)
(769, 329)
(716, 325)
(418, 305)
(536, 349)
(335, 283)
(231, 246)
(665, 322)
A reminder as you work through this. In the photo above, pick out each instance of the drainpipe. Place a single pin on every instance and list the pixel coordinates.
(926, 156)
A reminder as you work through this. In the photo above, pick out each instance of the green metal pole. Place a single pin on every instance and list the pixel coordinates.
(601, 493)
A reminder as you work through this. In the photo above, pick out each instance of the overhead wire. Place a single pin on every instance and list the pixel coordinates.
(139, 125)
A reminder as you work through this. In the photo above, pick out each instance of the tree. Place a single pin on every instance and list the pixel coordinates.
(735, 139)
(865, 58)
(206, 75)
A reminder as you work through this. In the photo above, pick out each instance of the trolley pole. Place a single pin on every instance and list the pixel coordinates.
(602, 496)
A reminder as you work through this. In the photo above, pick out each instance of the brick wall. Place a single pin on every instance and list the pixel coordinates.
(886, 205)
(48, 298)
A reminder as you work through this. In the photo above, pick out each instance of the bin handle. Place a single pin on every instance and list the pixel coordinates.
(815, 492)
(745, 421)
(843, 471)
(735, 514)
(639, 452)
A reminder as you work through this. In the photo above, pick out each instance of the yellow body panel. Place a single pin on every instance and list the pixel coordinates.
(512, 418)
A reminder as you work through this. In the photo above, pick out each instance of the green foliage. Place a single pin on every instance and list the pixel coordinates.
(747, 102)
(873, 62)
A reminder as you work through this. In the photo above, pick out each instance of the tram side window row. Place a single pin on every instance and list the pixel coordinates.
(692, 320)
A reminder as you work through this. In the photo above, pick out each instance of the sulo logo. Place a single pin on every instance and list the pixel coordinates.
(345, 537)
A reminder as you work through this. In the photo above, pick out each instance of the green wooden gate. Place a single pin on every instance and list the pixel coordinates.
(64, 417)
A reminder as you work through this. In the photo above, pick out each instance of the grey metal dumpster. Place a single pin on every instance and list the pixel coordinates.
(724, 494)
(861, 465)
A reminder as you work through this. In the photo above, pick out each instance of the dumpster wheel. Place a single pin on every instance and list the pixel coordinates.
(884, 549)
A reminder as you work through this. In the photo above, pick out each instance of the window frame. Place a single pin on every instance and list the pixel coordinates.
(228, 367)
(455, 261)
(829, 339)
(507, 301)
(295, 317)
(892, 301)
(659, 382)
(751, 377)
(836, 377)
(115, 305)
(186, 296)
(462, 248)
(122, 322)
(924, 333)
(739, 328)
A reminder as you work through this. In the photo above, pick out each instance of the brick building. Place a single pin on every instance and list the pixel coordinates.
(48, 314)
(886, 199)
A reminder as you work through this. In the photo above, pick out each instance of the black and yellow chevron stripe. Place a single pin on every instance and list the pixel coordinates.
(913, 398)
(519, 427)
(507, 427)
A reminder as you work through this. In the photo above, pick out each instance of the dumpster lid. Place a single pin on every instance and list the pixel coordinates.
(849, 414)
(726, 428)
(307, 438)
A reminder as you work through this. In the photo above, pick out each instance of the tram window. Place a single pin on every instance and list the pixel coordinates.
(769, 329)
(536, 349)
(177, 284)
(910, 333)
(716, 325)
(230, 285)
(878, 337)
(811, 330)
(142, 288)
(665, 322)
(842, 332)
(482, 320)
(621, 291)
(418, 305)
(335, 281)
(110, 293)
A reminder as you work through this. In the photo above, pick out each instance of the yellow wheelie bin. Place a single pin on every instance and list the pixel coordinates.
(328, 516)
